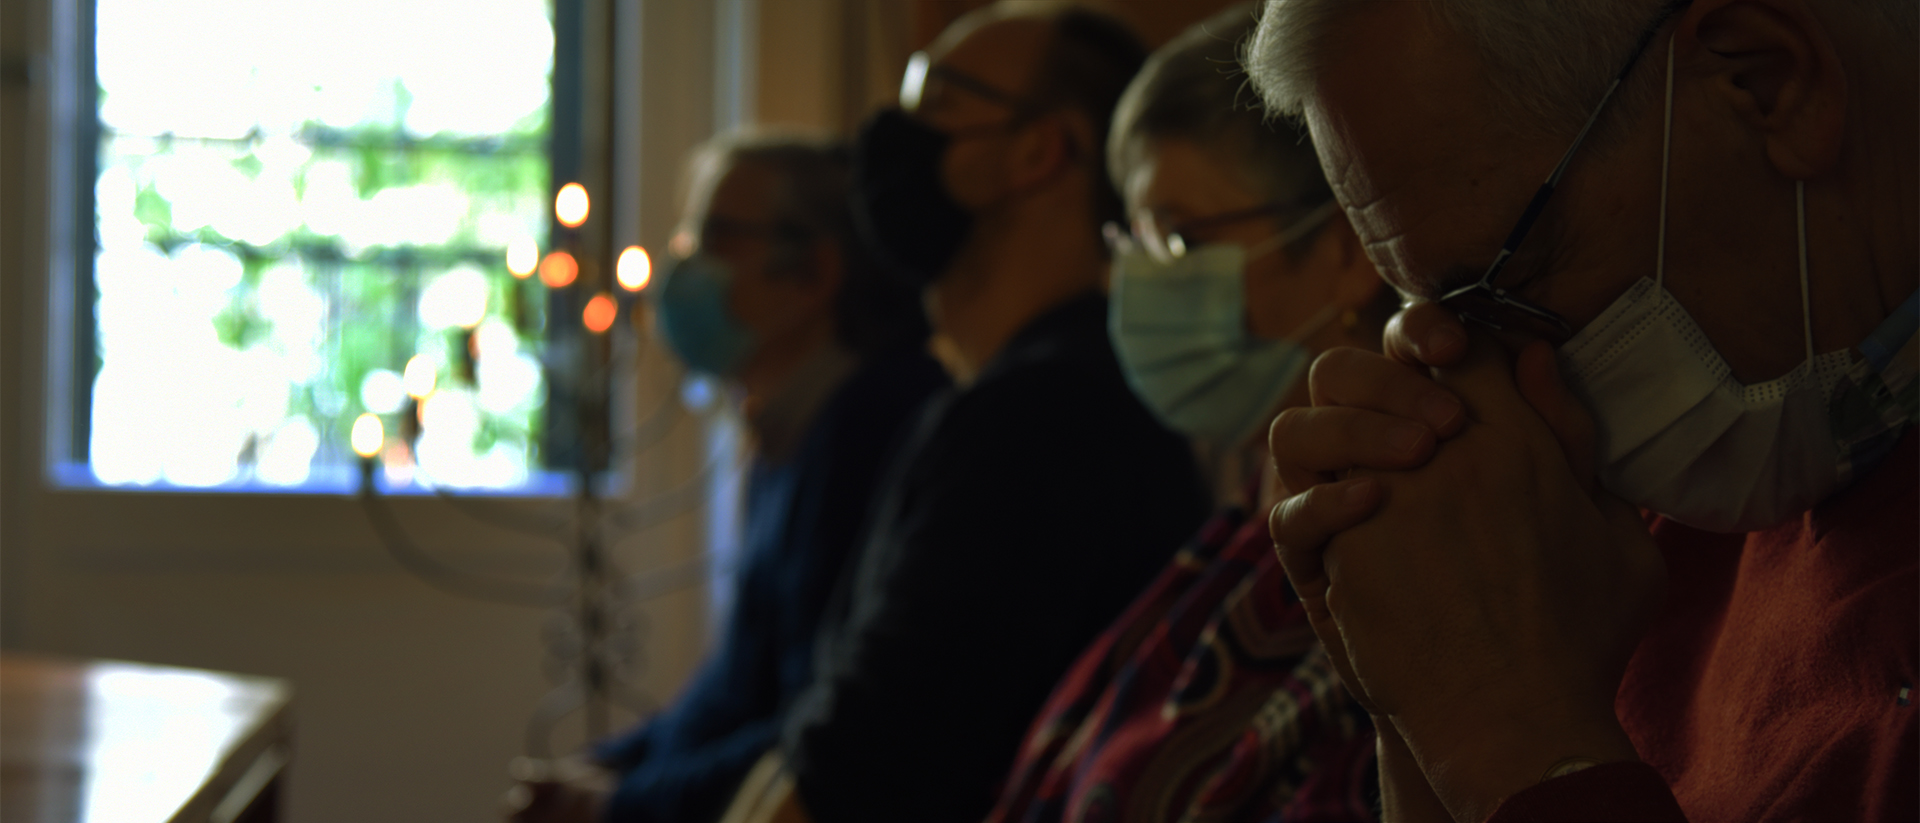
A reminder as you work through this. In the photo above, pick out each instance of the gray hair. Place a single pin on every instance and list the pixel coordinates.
(1192, 89)
(812, 170)
(1546, 62)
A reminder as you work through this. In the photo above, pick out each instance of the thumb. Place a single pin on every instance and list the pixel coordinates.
(1536, 373)
(1425, 334)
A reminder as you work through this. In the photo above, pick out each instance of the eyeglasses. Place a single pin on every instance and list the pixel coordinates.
(924, 80)
(1495, 307)
(1172, 242)
(722, 234)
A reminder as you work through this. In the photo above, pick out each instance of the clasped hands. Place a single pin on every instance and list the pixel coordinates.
(1478, 590)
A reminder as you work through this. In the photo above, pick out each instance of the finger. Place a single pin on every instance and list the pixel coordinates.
(1302, 524)
(1308, 443)
(1484, 380)
(1425, 334)
(1537, 374)
(1362, 379)
(1487, 380)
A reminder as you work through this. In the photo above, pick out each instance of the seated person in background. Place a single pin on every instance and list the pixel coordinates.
(1210, 699)
(1655, 556)
(1036, 501)
(827, 354)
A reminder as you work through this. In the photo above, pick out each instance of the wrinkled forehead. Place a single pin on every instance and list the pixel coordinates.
(1398, 115)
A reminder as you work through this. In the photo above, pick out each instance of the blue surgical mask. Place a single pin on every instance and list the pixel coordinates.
(1180, 330)
(694, 318)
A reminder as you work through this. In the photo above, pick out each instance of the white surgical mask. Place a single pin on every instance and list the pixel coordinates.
(1680, 436)
(1179, 328)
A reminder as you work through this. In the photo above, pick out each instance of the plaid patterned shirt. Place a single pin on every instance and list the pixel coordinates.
(1208, 700)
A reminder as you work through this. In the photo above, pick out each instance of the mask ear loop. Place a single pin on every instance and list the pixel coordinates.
(1299, 229)
(1307, 223)
(1666, 163)
(1799, 213)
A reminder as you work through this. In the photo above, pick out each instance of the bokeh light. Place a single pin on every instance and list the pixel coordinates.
(457, 298)
(570, 206)
(600, 313)
(382, 391)
(634, 268)
(523, 256)
(368, 434)
(287, 457)
(494, 339)
(558, 270)
(420, 376)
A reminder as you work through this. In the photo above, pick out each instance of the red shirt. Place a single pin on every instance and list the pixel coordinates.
(1779, 682)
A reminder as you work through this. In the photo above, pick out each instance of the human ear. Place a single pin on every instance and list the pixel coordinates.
(1776, 68)
(1044, 147)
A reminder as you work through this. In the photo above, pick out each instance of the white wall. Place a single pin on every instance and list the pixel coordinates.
(409, 702)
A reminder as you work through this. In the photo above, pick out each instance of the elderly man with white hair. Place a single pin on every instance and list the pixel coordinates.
(1623, 523)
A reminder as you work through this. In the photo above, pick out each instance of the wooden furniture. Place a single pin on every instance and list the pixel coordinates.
(110, 741)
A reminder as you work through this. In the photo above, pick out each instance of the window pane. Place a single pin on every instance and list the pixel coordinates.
(298, 202)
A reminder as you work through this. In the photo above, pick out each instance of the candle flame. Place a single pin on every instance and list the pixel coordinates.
(420, 376)
(571, 205)
(558, 270)
(367, 435)
(523, 256)
(600, 313)
(634, 269)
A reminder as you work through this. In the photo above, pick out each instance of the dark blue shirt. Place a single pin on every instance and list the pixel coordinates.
(804, 518)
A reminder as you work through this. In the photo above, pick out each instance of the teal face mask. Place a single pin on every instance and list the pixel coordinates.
(1180, 330)
(695, 320)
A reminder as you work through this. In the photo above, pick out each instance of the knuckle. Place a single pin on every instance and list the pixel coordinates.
(1333, 362)
(1289, 522)
(1285, 435)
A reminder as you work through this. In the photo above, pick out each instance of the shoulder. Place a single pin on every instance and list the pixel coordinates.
(1052, 406)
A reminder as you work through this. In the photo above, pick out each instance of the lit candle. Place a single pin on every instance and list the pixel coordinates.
(634, 269)
(367, 436)
(558, 270)
(571, 205)
(600, 313)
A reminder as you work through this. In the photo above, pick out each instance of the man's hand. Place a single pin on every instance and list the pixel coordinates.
(1369, 412)
(1488, 603)
(1491, 604)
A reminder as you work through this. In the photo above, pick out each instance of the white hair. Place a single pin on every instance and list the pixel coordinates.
(1546, 62)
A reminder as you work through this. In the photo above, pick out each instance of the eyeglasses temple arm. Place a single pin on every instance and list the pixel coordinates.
(1545, 191)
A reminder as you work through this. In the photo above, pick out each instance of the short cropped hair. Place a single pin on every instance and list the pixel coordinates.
(1194, 89)
(1087, 65)
(874, 310)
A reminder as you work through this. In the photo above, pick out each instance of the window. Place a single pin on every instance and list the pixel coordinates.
(303, 212)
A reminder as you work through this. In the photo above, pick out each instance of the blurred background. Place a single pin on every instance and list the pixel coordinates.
(230, 230)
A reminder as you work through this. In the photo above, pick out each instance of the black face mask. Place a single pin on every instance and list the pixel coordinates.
(900, 204)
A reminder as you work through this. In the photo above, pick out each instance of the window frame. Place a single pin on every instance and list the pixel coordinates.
(69, 415)
(110, 528)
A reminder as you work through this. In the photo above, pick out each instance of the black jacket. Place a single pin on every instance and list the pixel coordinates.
(1027, 512)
